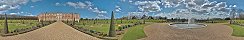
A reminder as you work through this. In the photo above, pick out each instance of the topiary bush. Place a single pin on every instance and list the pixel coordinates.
(120, 28)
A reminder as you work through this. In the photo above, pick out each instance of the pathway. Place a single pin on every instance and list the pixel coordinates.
(161, 31)
(55, 31)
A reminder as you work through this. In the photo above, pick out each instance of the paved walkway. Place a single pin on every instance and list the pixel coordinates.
(160, 31)
(55, 31)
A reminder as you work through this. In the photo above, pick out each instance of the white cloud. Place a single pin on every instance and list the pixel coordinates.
(130, 1)
(3, 7)
(32, 6)
(148, 6)
(11, 4)
(221, 5)
(57, 4)
(13, 13)
(89, 6)
(77, 4)
(30, 15)
(122, 0)
(209, 5)
(200, 8)
(118, 9)
(35, 0)
(82, 5)
(22, 12)
(171, 3)
(186, 13)
(234, 6)
(71, 4)
(88, 3)
(137, 13)
(96, 10)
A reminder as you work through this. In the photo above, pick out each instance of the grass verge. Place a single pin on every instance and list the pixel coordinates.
(237, 30)
(135, 33)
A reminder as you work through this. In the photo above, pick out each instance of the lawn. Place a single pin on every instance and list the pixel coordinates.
(18, 24)
(98, 27)
(104, 28)
(238, 30)
(240, 21)
(135, 33)
(155, 20)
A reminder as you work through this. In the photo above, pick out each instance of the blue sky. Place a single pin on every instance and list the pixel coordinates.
(103, 8)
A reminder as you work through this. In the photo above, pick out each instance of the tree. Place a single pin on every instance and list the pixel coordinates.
(81, 18)
(121, 20)
(144, 17)
(227, 18)
(150, 17)
(124, 18)
(94, 21)
(162, 17)
(6, 25)
(112, 27)
(134, 17)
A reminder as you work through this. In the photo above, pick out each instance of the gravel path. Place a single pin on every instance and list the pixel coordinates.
(160, 31)
(55, 31)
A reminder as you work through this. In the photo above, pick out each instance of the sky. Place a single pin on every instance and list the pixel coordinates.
(103, 8)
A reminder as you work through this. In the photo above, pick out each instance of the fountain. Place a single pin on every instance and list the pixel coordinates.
(187, 25)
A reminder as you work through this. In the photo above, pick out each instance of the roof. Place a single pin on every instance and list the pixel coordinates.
(58, 13)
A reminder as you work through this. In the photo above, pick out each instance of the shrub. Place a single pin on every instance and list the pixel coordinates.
(129, 25)
(135, 24)
(123, 27)
(126, 26)
(1, 30)
(92, 31)
(100, 34)
(120, 28)
(16, 30)
(105, 34)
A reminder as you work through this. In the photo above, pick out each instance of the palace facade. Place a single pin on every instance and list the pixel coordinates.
(59, 17)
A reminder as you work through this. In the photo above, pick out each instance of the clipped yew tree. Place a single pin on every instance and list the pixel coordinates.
(112, 27)
(5, 30)
(143, 18)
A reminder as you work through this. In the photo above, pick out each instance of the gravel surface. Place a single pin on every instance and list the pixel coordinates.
(161, 31)
(55, 31)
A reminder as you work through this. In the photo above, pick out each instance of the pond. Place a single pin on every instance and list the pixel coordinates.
(186, 25)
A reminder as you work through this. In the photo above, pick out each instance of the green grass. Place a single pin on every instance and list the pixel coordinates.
(218, 21)
(18, 24)
(238, 30)
(99, 27)
(103, 25)
(135, 33)
(155, 20)
(240, 21)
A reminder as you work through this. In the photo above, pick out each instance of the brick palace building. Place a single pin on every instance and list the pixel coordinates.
(58, 16)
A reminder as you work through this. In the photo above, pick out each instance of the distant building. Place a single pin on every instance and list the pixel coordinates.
(58, 17)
